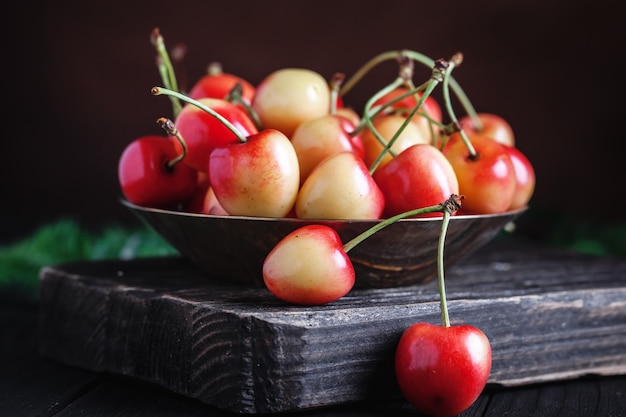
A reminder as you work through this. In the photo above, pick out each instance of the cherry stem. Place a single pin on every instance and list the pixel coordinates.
(454, 62)
(435, 79)
(157, 91)
(171, 129)
(235, 96)
(215, 68)
(443, 303)
(452, 204)
(335, 85)
(421, 58)
(166, 69)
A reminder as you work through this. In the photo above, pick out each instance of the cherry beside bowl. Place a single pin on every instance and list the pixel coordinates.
(233, 248)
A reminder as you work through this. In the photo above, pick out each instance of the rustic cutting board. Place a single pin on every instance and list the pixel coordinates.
(550, 314)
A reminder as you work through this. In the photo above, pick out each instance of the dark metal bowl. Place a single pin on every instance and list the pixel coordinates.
(233, 248)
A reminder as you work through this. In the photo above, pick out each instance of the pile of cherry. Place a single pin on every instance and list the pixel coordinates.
(291, 147)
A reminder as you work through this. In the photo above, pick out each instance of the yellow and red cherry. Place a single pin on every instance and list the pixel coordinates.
(419, 176)
(403, 105)
(151, 173)
(387, 126)
(442, 370)
(525, 178)
(203, 132)
(318, 138)
(486, 178)
(258, 176)
(218, 84)
(309, 267)
(289, 96)
(340, 187)
(491, 125)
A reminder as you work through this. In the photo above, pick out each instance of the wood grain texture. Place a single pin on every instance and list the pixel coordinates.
(549, 314)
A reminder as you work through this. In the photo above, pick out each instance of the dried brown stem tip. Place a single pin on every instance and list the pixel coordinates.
(453, 203)
(167, 125)
(406, 67)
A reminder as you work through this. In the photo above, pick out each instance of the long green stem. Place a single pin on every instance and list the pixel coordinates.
(166, 69)
(456, 59)
(421, 58)
(157, 91)
(407, 120)
(445, 318)
(451, 204)
(368, 106)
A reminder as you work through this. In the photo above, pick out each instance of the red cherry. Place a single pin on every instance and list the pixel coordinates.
(147, 176)
(219, 84)
(442, 370)
(525, 178)
(420, 176)
(309, 267)
(203, 132)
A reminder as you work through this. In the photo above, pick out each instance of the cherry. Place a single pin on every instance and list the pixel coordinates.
(441, 370)
(340, 187)
(317, 138)
(289, 96)
(310, 266)
(218, 84)
(203, 200)
(203, 132)
(419, 176)
(388, 126)
(255, 175)
(400, 101)
(151, 172)
(489, 124)
(487, 178)
(524, 175)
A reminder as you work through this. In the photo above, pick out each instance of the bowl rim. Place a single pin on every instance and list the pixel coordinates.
(181, 213)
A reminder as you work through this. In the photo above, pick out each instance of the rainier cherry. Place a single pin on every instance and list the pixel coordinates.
(404, 105)
(289, 96)
(387, 125)
(309, 267)
(486, 179)
(317, 138)
(492, 126)
(256, 177)
(340, 187)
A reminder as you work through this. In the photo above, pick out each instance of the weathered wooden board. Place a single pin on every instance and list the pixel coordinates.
(549, 314)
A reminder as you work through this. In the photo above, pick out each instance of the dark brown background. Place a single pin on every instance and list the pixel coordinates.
(78, 76)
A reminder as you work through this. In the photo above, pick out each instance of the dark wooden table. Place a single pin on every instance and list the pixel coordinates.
(32, 384)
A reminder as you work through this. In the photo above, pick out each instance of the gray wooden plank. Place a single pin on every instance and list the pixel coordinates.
(550, 315)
